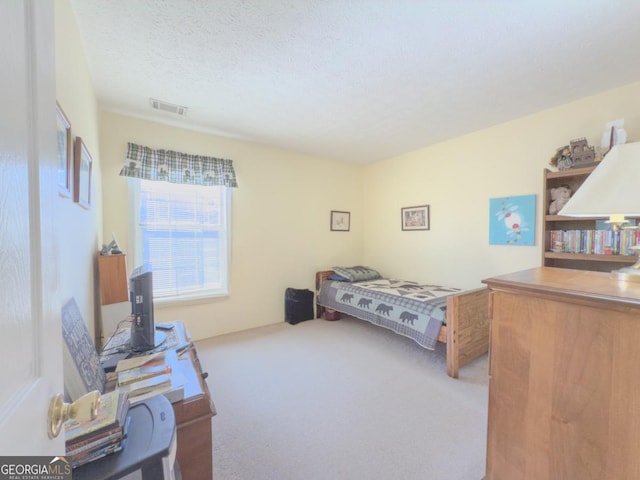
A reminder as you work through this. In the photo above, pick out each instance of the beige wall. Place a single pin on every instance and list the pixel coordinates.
(457, 178)
(79, 229)
(280, 220)
(280, 212)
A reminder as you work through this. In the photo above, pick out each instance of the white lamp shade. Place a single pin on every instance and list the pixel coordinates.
(613, 188)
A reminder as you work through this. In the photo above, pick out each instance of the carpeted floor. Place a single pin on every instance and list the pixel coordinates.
(342, 400)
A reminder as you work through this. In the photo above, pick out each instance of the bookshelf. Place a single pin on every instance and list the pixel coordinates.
(579, 258)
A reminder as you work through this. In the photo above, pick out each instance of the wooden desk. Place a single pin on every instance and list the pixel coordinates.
(193, 414)
(564, 383)
(194, 422)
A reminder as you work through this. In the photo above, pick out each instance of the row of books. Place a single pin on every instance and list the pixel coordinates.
(93, 439)
(596, 242)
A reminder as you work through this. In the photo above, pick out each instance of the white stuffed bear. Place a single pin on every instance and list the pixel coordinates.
(559, 197)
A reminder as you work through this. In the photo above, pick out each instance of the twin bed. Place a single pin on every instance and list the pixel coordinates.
(425, 313)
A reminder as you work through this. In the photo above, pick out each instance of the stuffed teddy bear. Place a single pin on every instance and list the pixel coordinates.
(559, 197)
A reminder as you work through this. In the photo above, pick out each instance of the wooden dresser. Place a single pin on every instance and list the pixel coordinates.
(564, 392)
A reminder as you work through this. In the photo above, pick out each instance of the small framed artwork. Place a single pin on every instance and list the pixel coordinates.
(415, 218)
(340, 221)
(65, 152)
(82, 174)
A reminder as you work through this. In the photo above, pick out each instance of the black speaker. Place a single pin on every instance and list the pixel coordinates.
(298, 305)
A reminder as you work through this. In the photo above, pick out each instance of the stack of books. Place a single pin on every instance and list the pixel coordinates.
(105, 434)
(145, 376)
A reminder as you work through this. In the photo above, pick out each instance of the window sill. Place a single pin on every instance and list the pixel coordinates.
(190, 299)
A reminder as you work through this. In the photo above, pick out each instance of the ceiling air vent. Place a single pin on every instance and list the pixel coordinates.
(168, 107)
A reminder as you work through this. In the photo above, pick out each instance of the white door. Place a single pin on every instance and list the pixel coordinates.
(30, 353)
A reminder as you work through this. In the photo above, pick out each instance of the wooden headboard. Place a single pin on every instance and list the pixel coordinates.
(321, 276)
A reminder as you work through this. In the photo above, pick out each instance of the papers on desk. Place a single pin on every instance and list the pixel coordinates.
(118, 347)
(152, 384)
(143, 372)
(134, 362)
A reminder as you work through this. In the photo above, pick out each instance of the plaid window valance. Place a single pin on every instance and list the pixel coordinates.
(175, 167)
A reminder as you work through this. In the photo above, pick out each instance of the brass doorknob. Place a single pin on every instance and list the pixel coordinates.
(83, 409)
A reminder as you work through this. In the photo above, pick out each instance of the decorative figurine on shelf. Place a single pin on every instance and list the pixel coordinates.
(582, 154)
(614, 134)
(112, 248)
(575, 155)
(559, 197)
(562, 158)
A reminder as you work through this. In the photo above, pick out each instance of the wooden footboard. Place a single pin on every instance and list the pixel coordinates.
(467, 328)
(466, 333)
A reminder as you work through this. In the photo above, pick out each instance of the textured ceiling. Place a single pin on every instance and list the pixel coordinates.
(354, 80)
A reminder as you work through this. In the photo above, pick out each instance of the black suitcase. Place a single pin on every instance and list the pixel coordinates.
(298, 305)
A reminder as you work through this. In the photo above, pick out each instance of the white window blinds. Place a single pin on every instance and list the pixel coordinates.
(182, 235)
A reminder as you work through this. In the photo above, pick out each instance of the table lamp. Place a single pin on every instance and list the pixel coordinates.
(612, 190)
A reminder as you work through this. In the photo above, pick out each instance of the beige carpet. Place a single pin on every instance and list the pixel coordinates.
(342, 400)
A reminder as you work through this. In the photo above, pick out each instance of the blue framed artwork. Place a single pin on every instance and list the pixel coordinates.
(512, 220)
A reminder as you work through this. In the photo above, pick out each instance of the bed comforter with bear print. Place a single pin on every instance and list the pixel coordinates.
(408, 308)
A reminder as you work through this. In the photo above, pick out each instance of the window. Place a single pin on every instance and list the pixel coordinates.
(181, 232)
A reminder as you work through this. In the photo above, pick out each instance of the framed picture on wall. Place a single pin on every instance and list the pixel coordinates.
(340, 221)
(82, 174)
(415, 218)
(65, 152)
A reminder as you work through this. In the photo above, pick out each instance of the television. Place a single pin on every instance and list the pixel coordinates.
(143, 330)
